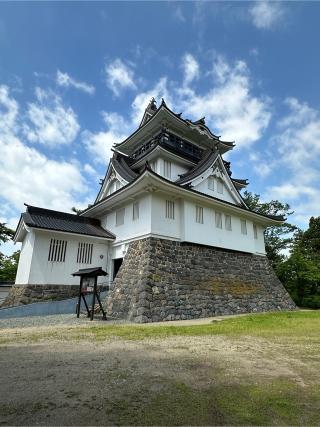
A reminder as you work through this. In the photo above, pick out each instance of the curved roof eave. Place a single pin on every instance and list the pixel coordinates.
(148, 170)
(189, 123)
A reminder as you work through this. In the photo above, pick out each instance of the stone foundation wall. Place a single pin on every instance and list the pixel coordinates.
(27, 294)
(165, 280)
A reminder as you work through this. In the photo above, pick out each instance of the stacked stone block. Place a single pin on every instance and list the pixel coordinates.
(163, 280)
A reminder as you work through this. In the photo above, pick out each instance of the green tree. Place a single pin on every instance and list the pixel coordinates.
(301, 276)
(8, 264)
(5, 233)
(278, 237)
(308, 241)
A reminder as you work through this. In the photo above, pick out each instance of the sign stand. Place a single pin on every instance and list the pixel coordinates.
(87, 275)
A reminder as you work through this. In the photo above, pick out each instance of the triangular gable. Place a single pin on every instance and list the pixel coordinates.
(110, 177)
(216, 170)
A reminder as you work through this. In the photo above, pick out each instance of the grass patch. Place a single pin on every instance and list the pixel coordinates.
(296, 325)
(280, 402)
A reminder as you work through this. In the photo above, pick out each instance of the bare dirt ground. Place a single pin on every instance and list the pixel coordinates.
(179, 380)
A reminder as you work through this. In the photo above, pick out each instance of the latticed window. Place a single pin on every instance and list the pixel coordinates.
(120, 216)
(57, 250)
(84, 255)
(218, 218)
(211, 183)
(199, 214)
(167, 169)
(255, 231)
(228, 224)
(135, 211)
(169, 209)
(220, 186)
(243, 226)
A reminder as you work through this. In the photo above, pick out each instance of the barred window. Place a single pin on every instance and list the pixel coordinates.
(167, 169)
(169, 209)
(120, 216)
(243, 226)
(219, 186)
(84, 255)
(57, 250)
(228, 224)
(135, 211)
(218, 217)
(199, 214)
(255, 231)
(211, 183)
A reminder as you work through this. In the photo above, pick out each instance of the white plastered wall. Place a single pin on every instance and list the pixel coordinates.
(25, 259)
(44, 272)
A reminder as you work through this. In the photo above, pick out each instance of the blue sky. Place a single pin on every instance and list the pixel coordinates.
(75, 78)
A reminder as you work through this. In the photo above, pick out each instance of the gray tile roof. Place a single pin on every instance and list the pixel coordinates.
(60, 221)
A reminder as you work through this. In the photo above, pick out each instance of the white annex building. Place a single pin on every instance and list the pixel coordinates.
(167, 180)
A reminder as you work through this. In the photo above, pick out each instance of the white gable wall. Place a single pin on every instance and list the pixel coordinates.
(208, 234)
(202, 187)
(25, 259)
(44, 272)
(130, 228)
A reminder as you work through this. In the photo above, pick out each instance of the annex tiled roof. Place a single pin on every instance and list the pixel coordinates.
(60, 221)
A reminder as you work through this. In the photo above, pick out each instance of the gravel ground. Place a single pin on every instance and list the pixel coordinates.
(57, 319)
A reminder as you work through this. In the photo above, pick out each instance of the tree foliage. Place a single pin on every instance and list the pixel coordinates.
(278, 238)
(5, 233)
(8, 264)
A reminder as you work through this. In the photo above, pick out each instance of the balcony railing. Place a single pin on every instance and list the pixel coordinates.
(169, 140)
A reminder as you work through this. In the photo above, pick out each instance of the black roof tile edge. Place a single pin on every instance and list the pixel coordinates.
(147, 168)
(49, 213)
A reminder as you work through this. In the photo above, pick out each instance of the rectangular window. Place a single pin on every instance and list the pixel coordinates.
(84, 255)
(211, 183)
(219, 186)
(135, 211)
(228, 224)
(120, 216)
(199, 214)
(218, 218)
(169, 209)
(57, 250)
(255, 231)
(167, 169)
(243, 226)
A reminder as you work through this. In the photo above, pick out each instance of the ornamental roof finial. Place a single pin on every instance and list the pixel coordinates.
(152, 104)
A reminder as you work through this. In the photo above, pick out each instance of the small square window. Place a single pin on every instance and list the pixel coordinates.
(199, 214)
(120, 216)
(211, 183)
(169, 209)
(135, 211)
(243, 226)
(218, 218)
(228, 224)
(219, 186)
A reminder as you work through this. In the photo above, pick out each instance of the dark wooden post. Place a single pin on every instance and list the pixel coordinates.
(94, 297)
(79, 298)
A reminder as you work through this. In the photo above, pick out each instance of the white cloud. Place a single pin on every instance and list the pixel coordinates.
(8, 110)
(297, 148)
(190, 68)
(99, 144)
(119, 76)
(63, 79)
(266, 14)
(26, 175)
(229, 105)
(177, 12)
(52, 123)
